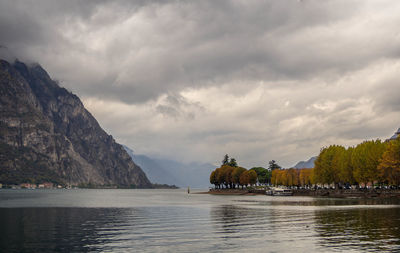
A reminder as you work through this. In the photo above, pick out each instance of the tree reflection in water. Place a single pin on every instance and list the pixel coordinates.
(373, 229)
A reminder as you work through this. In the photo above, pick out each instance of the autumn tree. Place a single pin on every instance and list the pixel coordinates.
(365, 160)
(306, 177)
(213, 179)
(228, 175)
(252, 177)
(220, 176)
(346, 170)
(279, 177)
(244, 178)
(327, 163)
(237, 172)
(389, 166)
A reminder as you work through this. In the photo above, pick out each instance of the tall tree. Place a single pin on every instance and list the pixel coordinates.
(213, 180)
(305, 177)
(225, 160)
(273, 165)
(228, 175)
(263, 175)
(365, 160)
(252, 177)
(244, 178)
(233, 162)
(237, 172)
(346, 170)
(389, 167)
(326, 165)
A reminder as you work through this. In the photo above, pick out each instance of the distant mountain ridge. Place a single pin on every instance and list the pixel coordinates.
(154, 171)
(164, 171)
(310, 162)
(396, 134)
(306, 164)
(46, 134)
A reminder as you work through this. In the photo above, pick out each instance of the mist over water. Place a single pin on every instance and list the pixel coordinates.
(173, 221)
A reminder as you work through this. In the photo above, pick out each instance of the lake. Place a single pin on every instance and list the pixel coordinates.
(109, 220)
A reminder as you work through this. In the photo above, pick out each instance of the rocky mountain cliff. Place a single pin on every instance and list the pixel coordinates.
(46, 134)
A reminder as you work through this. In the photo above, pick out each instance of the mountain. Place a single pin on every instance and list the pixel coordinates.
(307, 164)
(154, 171)
(46, 134)
(164, 171)
(396, 134)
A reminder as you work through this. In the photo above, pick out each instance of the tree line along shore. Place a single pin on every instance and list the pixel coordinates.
(369, 166)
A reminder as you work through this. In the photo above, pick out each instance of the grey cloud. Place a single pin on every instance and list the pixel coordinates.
(176, 106)
(140, 60)
(167, 46)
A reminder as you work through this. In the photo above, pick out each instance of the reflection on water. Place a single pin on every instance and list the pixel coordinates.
(57, 229)
(361, 229)
(263, 230)
(172, 221)
(307, 201)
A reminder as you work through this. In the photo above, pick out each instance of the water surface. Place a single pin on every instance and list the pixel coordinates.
(173, 221)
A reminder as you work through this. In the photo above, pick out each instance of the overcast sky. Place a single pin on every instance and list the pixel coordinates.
(194, 80)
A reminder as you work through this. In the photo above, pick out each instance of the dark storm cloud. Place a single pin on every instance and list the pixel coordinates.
(148, 48)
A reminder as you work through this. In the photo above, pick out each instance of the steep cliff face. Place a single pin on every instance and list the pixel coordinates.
(47, 134)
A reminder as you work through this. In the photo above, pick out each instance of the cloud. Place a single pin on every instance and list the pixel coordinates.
(193, 80)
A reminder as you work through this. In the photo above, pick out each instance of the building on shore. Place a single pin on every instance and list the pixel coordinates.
(28, 186)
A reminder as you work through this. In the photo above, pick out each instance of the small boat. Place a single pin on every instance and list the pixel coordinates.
(279, 192)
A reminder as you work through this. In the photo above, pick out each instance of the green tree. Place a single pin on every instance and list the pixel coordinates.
(225, 160)
(233, 162)
(263, 175)
(273, 165)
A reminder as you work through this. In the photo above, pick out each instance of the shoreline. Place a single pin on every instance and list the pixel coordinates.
(231, 192)
(324, 193)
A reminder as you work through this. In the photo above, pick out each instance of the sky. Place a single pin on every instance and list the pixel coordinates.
(195, 80)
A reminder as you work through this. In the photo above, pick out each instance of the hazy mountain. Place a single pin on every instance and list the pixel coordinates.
(154, 171)
(164, 171)
(48, 135)
(396, 134)
(306, 164)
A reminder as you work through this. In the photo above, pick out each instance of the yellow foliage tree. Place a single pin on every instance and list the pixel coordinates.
(244, 178)
(389, 167)
(252, 177)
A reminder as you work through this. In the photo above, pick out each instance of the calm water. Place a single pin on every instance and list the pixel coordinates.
(173, 221)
